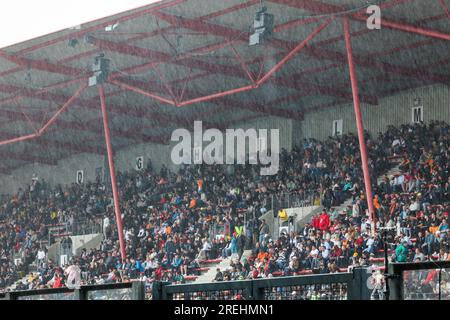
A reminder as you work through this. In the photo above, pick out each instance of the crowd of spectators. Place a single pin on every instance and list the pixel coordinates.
(168, 216)
(413, 205)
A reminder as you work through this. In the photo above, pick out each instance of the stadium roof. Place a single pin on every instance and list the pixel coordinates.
(177, 61)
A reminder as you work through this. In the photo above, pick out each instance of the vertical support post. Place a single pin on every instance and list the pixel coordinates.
(138, 290)
(254, 291)
(395, 282)
(112, 172)
(80, 294)
(359, 123)
(386, 264)
(157, 290)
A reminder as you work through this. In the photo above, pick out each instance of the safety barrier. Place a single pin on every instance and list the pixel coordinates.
(339, 286)
(294, 200)
(407, 281)
(419, 281)
(114, 291)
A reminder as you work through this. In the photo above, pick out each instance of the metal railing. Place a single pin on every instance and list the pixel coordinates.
(84, 227)
(337, 286)
(114, 291)
(340, 286)
(294, 200)
(419, 281)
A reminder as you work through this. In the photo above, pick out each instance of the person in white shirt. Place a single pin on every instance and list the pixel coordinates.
(314, 251)
(370, 245)
(40, 256)
(324, 251)
(128, 235)
(205, 249)
(73, 277)
(141, 233)
(106, 224)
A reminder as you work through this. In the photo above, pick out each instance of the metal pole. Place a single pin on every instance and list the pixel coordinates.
(440, 284)
(444, 7)
(408, 28)
(143, 92)
(386, 265)
(359, 123)
(216, 95)
(62, 109)
(112, 172)
(18, 139)
(49, 122)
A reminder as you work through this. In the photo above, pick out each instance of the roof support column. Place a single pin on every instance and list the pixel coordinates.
(359, 123)
(112, 172)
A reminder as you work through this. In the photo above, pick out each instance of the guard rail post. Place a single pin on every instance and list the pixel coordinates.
(395, 282)
(138, 290)
(357, 289)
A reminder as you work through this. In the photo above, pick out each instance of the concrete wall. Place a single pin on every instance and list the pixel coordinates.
(89, 241)
(393, 110)
(125, 159)
(284, 125)
(63, 173)
(161, 154)
(302, 216)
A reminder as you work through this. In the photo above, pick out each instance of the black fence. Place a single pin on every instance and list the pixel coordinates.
(116, 291)
(338, 286)
(420, 281)
(407, 281)
(341, 286)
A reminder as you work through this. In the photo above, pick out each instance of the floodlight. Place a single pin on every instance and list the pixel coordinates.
(263, 27)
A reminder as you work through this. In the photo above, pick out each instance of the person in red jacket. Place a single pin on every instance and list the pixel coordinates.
(58, 282)
(315, 221)
(324, 221)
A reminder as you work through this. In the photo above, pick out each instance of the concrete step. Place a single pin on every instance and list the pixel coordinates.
(224, 264)
(390, 173)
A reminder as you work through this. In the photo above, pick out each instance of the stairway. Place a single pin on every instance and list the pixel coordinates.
(224, 264)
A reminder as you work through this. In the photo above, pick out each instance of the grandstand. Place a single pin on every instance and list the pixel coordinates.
(360, 106)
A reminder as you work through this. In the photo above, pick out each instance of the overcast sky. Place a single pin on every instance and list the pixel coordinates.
(21, 20)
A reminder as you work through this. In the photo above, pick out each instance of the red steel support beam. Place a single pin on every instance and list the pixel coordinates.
(359, 123)
(243, 64)
(314, 6)
(24, 92)
(228, 33)
(408, 28)
(63, 108)
(227, 103)
(90, 104)
(221, 94)
(18, 139)
(166, 85)
(140, 36)
(143, 92)
(324, 8)
(216, 95)
(112, 172)
(445, 8)
(49, 123)
(293, 52)
(231, 9)
(103, 23)
(41, 65)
